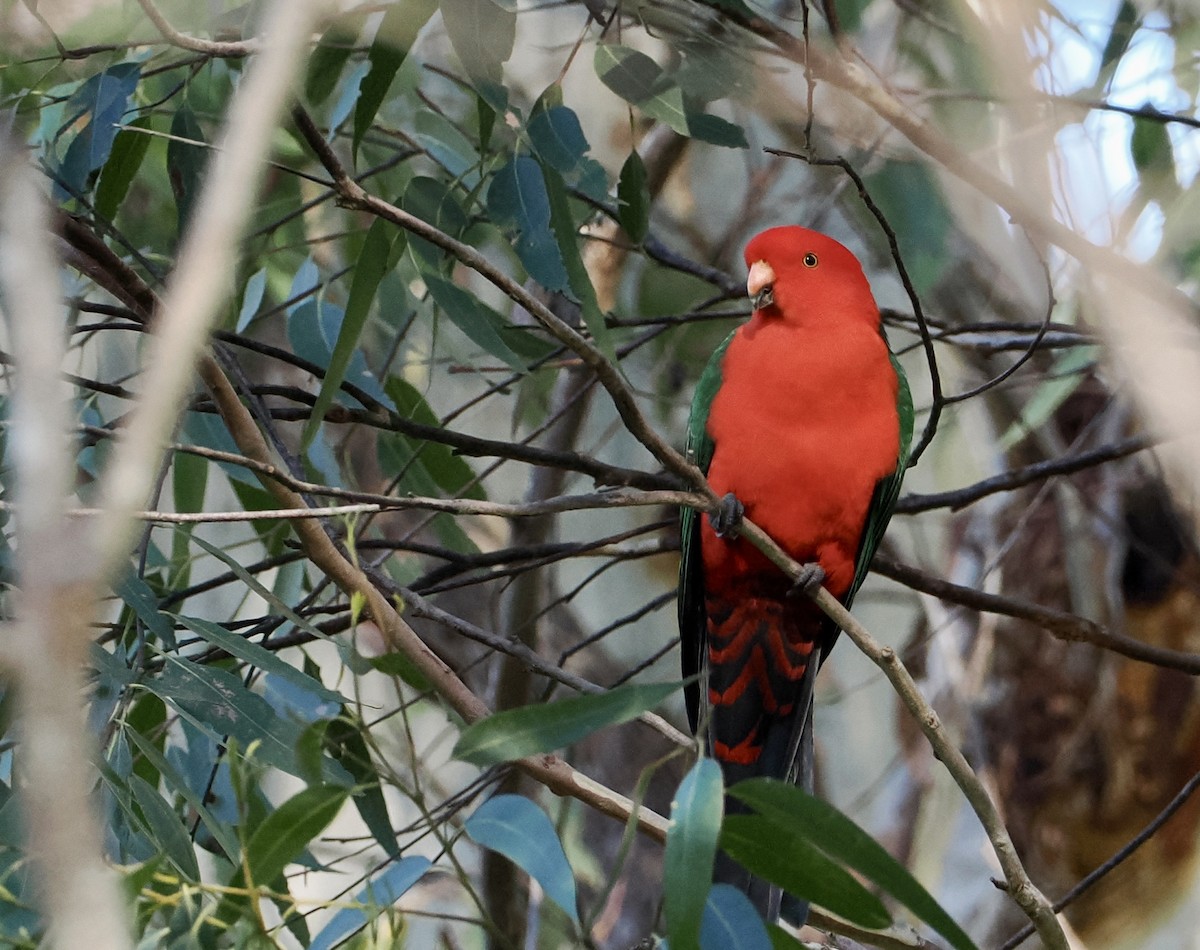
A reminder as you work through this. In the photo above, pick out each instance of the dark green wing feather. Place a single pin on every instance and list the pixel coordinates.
(693, 619)
(887, 490)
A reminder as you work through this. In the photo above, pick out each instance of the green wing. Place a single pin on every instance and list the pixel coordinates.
(888, 489)
(693, 619)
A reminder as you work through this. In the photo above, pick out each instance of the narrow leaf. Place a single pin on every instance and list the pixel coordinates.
(260, 657)
(344, 739)
(185, 162)
(637, 79)
(368, 272)
(290, 828)
(578, 279)
(328, 57)
(103, 99)
(483, 325)
(516, 733)
(166, 828)
(840, 838)
(633, 198)
(252, 297)
(516, 828)
(731, 922)
(118, 172)
(690, 852)
(136, 593)
(221, 832)
(776, 851)
(379, 893)
(482, 34)
(518, 201)
(397, 31)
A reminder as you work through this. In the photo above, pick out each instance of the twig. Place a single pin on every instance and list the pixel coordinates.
(619, 498)
(1019, 885)
(354, 196)
(183, 41)
(1064, 626)
(1112, 863)
(959, 498)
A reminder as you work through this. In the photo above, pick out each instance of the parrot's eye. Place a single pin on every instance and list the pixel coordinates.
(810, 259)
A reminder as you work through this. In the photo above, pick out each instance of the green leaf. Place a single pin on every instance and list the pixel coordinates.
(217, 702)
(289, 829)
(580, 282)
(380, 892)
(397, 31)
(329, 57)
(220, 831)
(633, 198)
(368, 272)
(518, 201)
(482, 34)
(431, 201)
(185, 162)
(279, 839)
(103, 99)
(1067, 375)
(483, 325)
(630, 73)
(637, 79)
(780, 853)
(841, 839)
(445, 144)
(345, 741)
(559, 142)
(544, 727)
(136, 593)
(690, 852)
(166, 828)
(911, 199)
(252, 296)
(1153, 156)
(118, 172)
(266, 660)
(516, 828)
(731, 922)
(449, 471)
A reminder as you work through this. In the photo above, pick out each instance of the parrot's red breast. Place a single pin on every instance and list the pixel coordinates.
(804, 426)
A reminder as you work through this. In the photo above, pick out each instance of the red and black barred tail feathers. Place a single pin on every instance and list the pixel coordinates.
(759, 649)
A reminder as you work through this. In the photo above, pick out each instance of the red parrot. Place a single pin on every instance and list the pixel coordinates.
(802, 420)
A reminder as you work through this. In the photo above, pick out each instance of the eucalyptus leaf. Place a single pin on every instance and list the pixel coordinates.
(544, 727)
(516, 828)
(376, 896)
(841, 839)
(690, 852)
(730, 922)
(518, 200)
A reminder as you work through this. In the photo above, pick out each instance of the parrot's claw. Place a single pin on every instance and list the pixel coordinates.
(727, 519)
(809, 580)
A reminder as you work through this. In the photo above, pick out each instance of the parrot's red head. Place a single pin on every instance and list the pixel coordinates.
(795, 271)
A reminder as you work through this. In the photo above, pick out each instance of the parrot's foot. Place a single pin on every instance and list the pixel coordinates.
(809, 580)
(726, 521)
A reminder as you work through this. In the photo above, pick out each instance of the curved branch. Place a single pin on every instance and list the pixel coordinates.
(1064, 626)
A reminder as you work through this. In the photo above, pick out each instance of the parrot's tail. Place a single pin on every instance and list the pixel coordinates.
(787, 754)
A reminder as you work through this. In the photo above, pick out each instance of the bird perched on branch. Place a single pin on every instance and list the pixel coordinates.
(802, 422)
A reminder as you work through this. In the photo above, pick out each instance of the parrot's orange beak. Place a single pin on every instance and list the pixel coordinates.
(760, 285)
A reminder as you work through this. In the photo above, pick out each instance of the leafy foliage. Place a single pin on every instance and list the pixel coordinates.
(275, 766)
